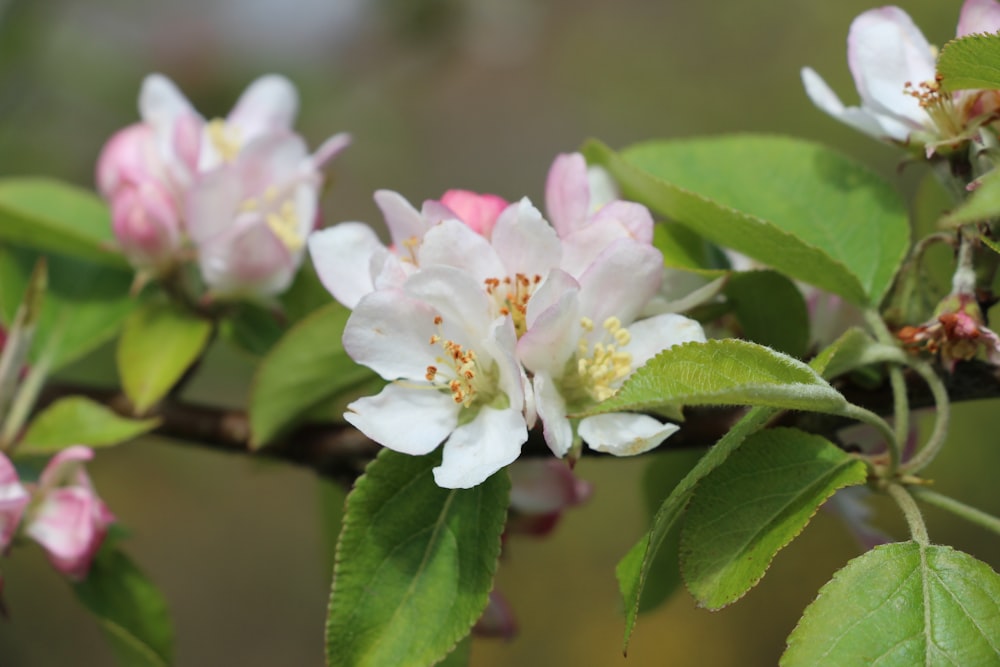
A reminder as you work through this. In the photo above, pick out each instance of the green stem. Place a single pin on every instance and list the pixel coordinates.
(867, 416)
(968, 513)
(918, 530)
(939, 435)
(901, 402)
(24, 403)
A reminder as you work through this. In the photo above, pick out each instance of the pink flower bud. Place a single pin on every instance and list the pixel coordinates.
(480, 212)
(67, 517)
(13, 499)
(144, 201)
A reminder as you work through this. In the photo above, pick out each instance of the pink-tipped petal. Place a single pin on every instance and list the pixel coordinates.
(567, 193)
(978, 16)
(478, 211)
(268, 105)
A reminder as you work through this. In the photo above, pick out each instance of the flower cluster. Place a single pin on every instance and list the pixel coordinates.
(487, 318)
(894, 70)
(62, 512)
(238, 194)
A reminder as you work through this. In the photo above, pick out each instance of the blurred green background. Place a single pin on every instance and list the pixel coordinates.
(477, 94)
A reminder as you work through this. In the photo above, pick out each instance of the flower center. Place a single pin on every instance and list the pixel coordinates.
(280, 216)
(225, 139)
(603, 366)
(937, 104)
(511, 297)
(456, 371)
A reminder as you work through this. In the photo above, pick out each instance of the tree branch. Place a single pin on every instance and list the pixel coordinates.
(340, 452)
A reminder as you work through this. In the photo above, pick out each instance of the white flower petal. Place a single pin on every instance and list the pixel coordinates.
(548, 294)
(624, 434)
(655, 334)
(525, 242)
(404, 419)
(885, 49)
(621, 281)
(453, 243)
(405, 223)
(552, 411)
(552, 336)
(480, 448)
(161, 103)
(827, 101)
(342, 255)
(458, 298)
(500, 344)
(636, 218)
(390, 333)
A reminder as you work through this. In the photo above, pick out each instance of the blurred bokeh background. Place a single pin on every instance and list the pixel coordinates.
(477, 94)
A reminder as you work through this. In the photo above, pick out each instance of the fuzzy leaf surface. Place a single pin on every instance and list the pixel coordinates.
(753, 505)
(724, 372)
(415, 563)
(970, 62)
(902, 604)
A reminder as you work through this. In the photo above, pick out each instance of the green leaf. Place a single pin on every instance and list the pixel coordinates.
(460, 656)
(770, 309)
(57, 217)
(252, 328)
(724, 372)
(85, 304)
(682, 248)
(307, 367)
(159, 343)
(131, 611)
(78, 420)
(634, 569)
(665, 471)
(970, 62)
(798, 207)
(752, 506)
(855, 348)
(415, 563)
(902, 604)
(982, 204)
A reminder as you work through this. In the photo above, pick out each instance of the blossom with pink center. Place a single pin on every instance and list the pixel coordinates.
(13, 499)
(956, 333)
(452, 371)
(243, 190)
(582, 342)
(67, 518)
(351, 260)
(893, 67)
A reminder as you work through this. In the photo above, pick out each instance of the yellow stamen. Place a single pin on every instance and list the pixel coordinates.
(225, 139)
(285, 225)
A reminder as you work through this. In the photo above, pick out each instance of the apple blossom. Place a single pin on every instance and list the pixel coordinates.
(66, 515)
(893, 67)
(351, 261)
(13, 499)
(582, 342)
(452, 371)
(249, 217)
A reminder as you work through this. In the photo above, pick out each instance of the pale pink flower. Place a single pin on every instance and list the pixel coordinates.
(498, 620)
(893, 67)
(13, 499)
(66, 516)
(249, 217)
